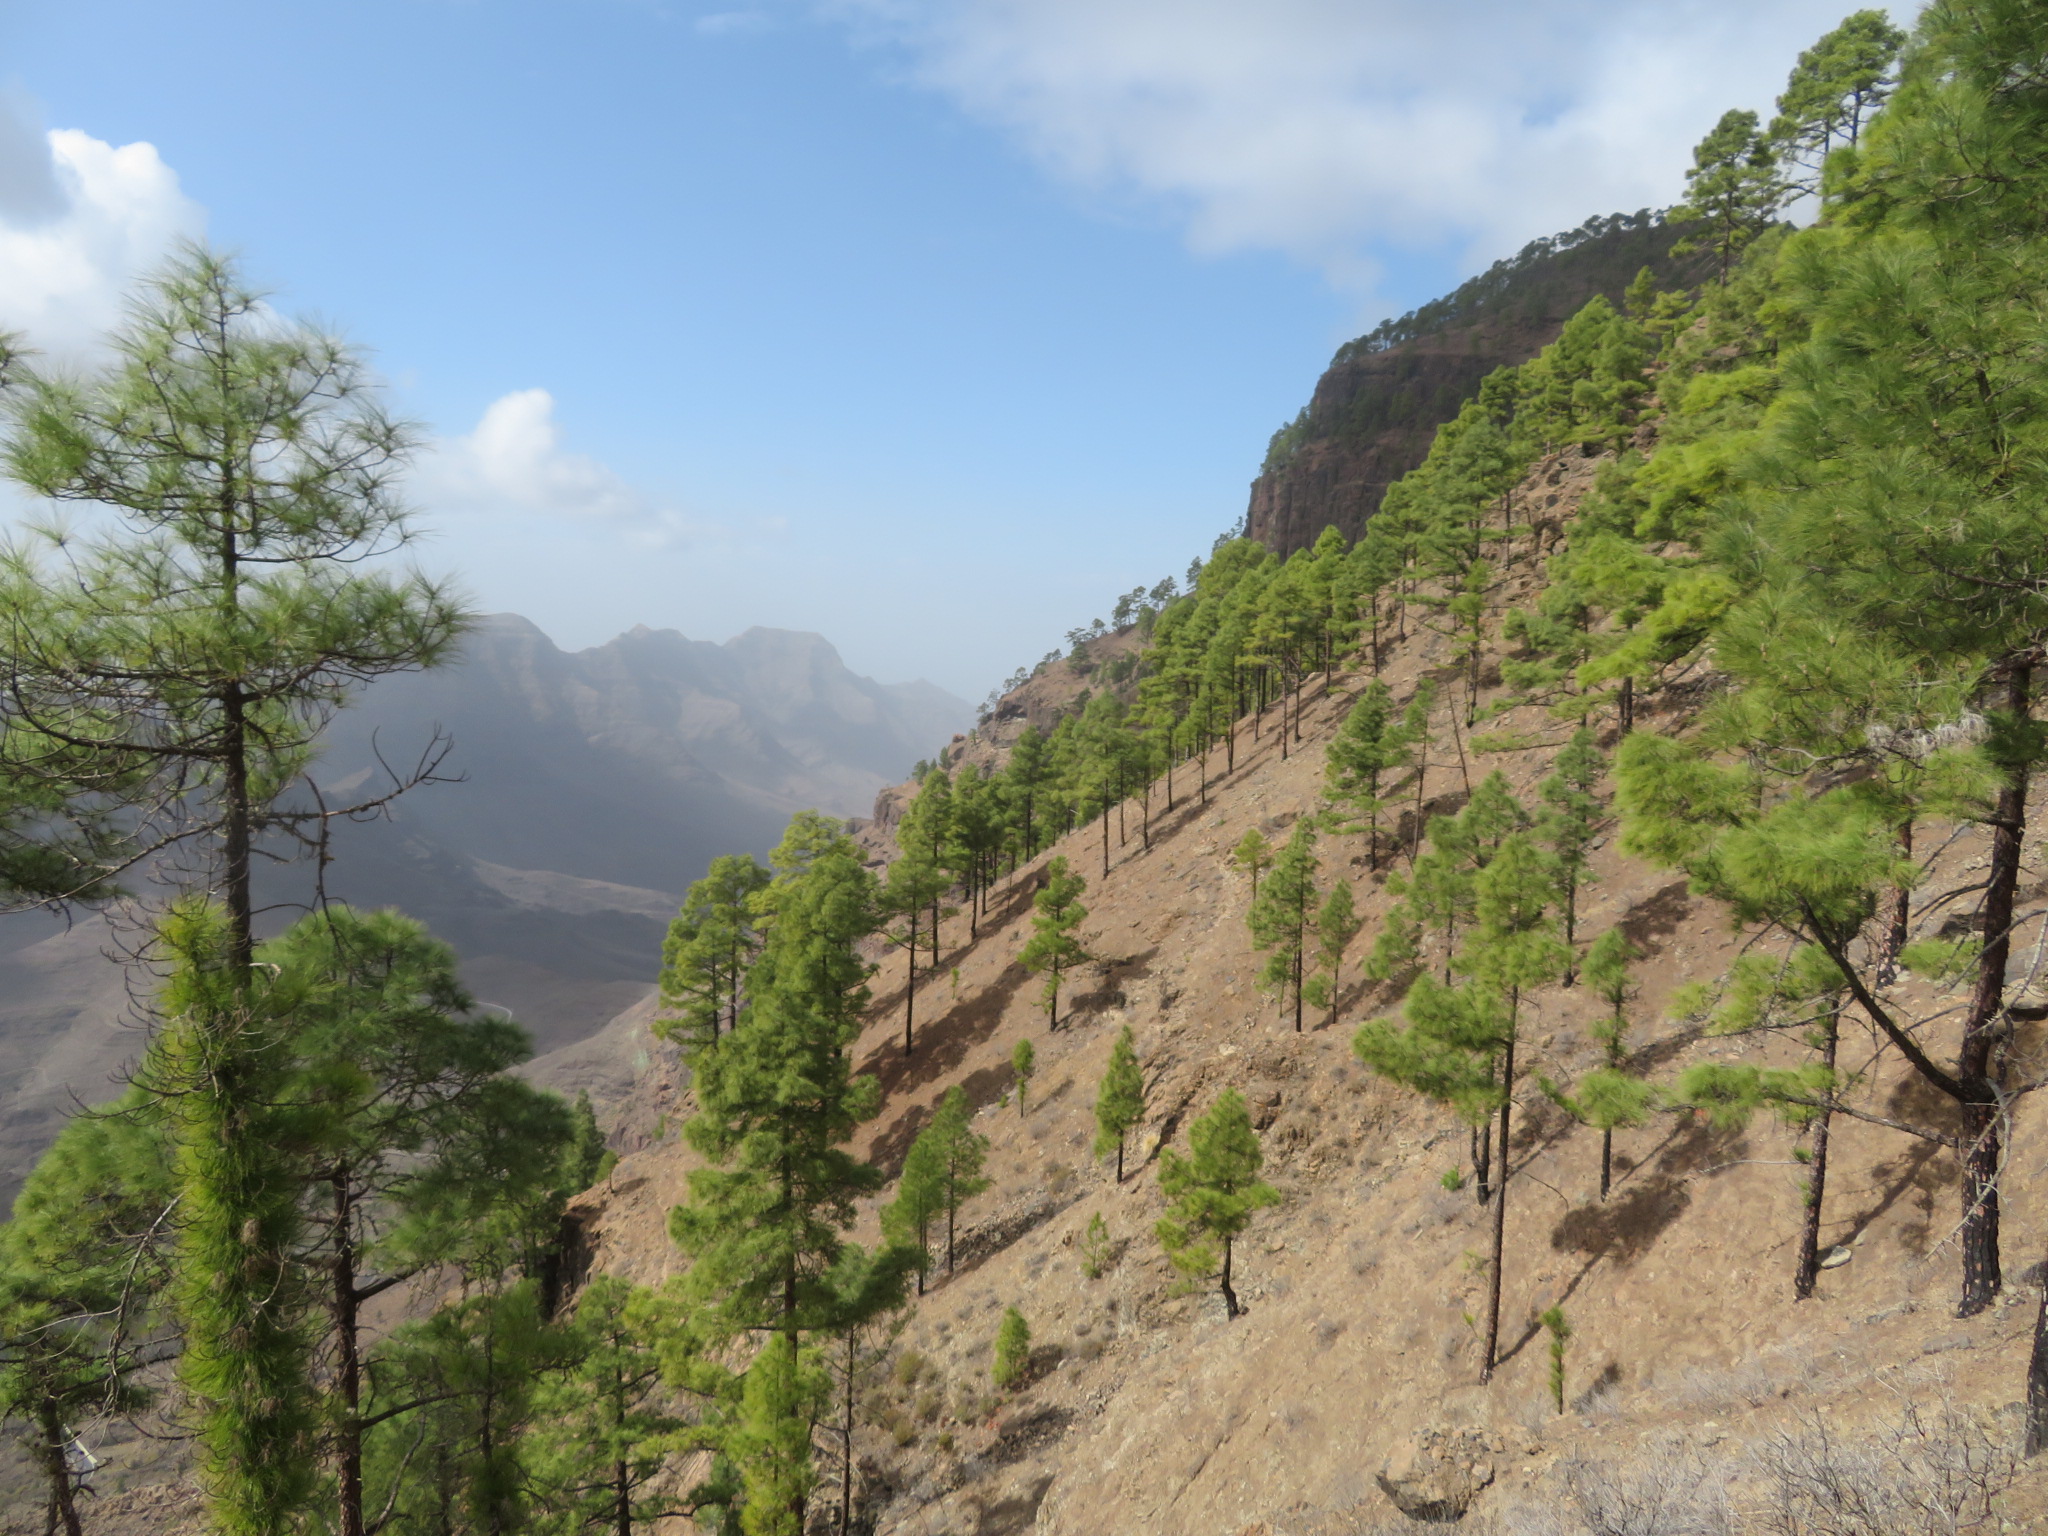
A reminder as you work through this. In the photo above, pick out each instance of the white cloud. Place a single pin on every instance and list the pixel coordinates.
(514, 462)
(733, 24)
(1327, 128)
(80, 219)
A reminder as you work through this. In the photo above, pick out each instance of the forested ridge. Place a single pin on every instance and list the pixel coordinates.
(1628, 835)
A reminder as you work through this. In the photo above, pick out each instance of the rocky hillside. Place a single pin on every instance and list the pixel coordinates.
(1347, 1399)
(1377, 406)
(594, 787)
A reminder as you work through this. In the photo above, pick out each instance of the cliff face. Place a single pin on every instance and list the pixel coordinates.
(1350, 1388)
(1382, 398)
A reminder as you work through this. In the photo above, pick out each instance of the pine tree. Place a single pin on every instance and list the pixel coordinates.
(188, 664)
(602, 1430)
(1013, 1350)
(923, 834)
(1279, 919)
(1610, 1098)
(1836, 87)
(1053, 950)
(1023, 1057)
(1213, 1192)
(712, 941)
(1367, 748)
(869, 1291)
(1337, 924)
(784, 1393)
(1571, 822)
(1252, 855)
(914, 884)
(777, 1103)
(413, 1141)
(1120, 1101)
(1025, 778)
(82, 1286)
(920, 1197)
(1733, 189)
(962, 1154)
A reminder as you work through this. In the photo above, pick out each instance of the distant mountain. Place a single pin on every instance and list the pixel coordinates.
(597, 785)
(1378, 405)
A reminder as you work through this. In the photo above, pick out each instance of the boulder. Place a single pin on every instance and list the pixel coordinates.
(1436, 1474)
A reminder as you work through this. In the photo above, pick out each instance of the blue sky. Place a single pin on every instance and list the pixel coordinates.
(927, 324)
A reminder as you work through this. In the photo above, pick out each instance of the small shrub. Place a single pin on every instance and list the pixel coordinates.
(1013, 1349)
(1453, 1180)
(909, 1366)
(1097, 1253)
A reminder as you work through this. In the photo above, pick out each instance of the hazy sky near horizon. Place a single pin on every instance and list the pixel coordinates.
(930, 325)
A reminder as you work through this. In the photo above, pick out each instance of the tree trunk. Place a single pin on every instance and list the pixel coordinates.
(1105, 837)
(1298, 948)
(909, 983)
(1625, 707)
(622, 1503)
(846, 1472)
(1606, 1161)
(1500, 1210)
(1808, 1272)
(55, 1442)
(1119, 1157)
(1975, 1065)
(1230, 1306)
(1482, 1161)
(348, 1365)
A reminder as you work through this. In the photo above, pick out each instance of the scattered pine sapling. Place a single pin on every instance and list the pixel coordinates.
(1214, 1192)
(964, 1153)
(1279, 919)
(1013, 1350)
(1053, 950)
(1097, 1252)
(1022, 1059)
(920, 1197)
(1570, 822)
(1252, 854)
(1367, 748)
(1553, 1322)
(1609, 1098)
(1120, 1102)
(1337, 924)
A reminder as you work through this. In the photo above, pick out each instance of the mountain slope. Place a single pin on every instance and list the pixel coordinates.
(1150, 1413)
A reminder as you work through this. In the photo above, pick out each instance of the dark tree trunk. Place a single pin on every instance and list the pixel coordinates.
(1625, 707)
(1975, 1064)
(1808, 1273)
(1482, 1161)
(1230, 1306)
(846, 1471)
(910, 983)
(63, 1503)
(1500, 1212)
(1606, 1161)
(348, 1365)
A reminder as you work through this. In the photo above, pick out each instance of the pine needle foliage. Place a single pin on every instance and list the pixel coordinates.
(1120, 1101)
(1213, 1193)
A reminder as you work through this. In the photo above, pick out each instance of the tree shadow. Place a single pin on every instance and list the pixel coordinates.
(941, 1047)
(1657, 917)
(1923, 1169)
(1628, 1223)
